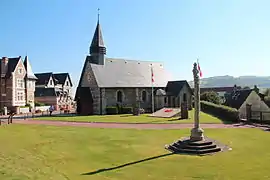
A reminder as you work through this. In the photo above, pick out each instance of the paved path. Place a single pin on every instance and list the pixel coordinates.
(129, 125)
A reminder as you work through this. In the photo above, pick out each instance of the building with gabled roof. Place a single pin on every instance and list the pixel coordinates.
(54, 89)
(108, 82)
(17, 83)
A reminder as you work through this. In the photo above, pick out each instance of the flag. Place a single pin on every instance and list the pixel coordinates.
(199, 68)
(152, 74)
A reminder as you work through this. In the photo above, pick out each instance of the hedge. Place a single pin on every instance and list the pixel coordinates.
(221, 111)
(126, 110)
(39, 104)
(111, 110)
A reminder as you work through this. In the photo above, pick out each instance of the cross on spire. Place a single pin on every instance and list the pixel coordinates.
(98, 14)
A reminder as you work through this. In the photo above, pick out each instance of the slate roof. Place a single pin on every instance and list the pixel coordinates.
(61, 78)
(43, 78)
(237, 98)
(173, 88)
(12, 64)
(129, 73)
(29, 72)
(97, 40)
(41, 92)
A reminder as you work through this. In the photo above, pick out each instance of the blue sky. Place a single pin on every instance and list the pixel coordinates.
(230, 37)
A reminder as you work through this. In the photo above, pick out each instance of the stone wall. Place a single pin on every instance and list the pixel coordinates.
(130, 96)
(89, 80)
(30, 92)
(19, 74)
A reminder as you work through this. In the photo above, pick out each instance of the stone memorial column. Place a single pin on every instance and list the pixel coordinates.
(196, 132)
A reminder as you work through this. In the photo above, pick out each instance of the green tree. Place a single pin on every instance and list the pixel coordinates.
(267, 92)
(211, 96)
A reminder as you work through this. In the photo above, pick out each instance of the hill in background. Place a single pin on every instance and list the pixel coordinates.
(243, 81)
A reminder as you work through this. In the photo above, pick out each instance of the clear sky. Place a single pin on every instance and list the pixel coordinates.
(230, 37)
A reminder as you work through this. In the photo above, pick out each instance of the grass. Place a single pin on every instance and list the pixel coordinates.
(30, 152)
(205, 118)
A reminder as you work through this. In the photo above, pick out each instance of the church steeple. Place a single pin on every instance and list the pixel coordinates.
(97, 45)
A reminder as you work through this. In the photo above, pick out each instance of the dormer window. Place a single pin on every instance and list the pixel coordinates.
(67, 83)
(51, 82)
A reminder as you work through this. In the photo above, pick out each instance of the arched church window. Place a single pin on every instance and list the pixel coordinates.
(119, 96)
(185, 97)
(144, 94)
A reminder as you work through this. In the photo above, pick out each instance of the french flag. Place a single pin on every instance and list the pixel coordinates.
(199, 68)
(152, 74)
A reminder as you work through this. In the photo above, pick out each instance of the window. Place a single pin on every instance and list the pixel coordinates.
(20, 96)
(51, 82)
(119, 96)
(185, 97)
(165, 100)
(144, 96)
(67, 83)
(20, 83)
(20, 70)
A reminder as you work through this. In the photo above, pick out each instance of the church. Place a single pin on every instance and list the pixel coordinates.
(107, 82)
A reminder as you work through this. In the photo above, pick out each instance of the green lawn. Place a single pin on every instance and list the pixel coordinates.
(31, 152)
(205, 118)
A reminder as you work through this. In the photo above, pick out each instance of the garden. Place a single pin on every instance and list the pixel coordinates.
(49, 152)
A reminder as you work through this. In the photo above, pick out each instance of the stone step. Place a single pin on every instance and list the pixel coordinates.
(195, 151)
(187, 146)
(198, 143)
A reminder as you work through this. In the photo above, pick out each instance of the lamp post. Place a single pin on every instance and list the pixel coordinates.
(196, 132)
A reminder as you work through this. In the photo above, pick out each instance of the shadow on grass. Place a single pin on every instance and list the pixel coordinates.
(127, 164)
(127, 115)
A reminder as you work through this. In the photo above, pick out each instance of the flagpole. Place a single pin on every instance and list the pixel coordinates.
(152, 80)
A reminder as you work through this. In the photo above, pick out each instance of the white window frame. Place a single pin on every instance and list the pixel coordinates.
(20, 83)
(20, 96)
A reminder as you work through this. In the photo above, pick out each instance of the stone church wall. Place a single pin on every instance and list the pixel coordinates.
(89, 80)
(130, 96)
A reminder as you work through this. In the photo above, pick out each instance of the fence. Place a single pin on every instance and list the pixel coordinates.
(262, 117)
(24, 110)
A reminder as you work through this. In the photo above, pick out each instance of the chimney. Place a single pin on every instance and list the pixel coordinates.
(4, 66)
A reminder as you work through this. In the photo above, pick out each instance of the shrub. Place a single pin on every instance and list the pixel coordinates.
(111, 110)
(267, 100)
(38, 111)
(28, 105)
(210, 96)
(39, 104)
(223, 112)
(126, 110)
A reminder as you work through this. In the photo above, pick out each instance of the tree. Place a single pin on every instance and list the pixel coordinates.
(211, 96)
(246, 87)
(267, 92)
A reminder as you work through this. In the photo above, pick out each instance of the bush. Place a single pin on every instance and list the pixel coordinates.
(111, 110)
(267, 100)
(38, 111)
(28, 105)
(210, 96)
(39, 104)
(223, 112)
(126, 110)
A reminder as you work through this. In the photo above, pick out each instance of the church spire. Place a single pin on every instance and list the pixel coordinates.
(97, 45)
